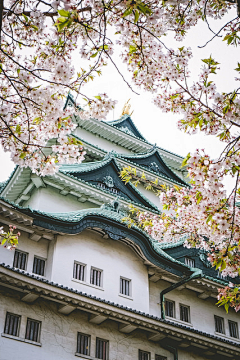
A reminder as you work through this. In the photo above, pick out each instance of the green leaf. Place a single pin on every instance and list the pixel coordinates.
(34, 27)
(127, 12)
(63, 12)
(22, 155)
(18, 71)
(94, 55)
(238, 67)
(18, 129)
(184, 163)
(98, 97)
(25, 17)
(136, 16)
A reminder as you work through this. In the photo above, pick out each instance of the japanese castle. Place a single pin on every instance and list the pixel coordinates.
(83, 285)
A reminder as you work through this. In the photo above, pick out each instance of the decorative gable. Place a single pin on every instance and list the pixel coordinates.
(153, 161)
(105, 175)
(126, 125)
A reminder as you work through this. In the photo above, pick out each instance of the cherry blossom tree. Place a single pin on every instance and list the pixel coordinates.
(38, 39)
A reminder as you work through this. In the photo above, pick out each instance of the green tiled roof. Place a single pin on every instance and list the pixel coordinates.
(86, 167)
(139, 155)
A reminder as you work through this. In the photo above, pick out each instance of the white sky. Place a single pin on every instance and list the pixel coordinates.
(154, 125)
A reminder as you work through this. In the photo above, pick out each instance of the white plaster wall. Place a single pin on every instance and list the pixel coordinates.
(201, 311)
(59, 335)
(100, 142)
(112, 257)
(29, 246)
(50, 200)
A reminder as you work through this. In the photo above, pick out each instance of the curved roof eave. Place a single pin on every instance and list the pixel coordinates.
(110, 222)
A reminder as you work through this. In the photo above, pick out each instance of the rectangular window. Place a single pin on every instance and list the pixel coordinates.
(159, 357)
(101, 349)
(83, 344)
(233, 329)
(184, 313)
(33, 330)
(12, 324)
(125, 287)
(38, 266)
(170, 308)
(96, 277)
(189, 262)
(143, 355)
(79, 271)
(20, 260)
(219, 324)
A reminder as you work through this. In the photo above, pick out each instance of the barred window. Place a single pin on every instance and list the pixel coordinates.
(12, 324)
(233, 329)
(143, 355)
(125, 287)
(189, 262)
(219, 324)
(170, 308)
(159, 357)
(20, 260)
(83, 344)
(184, 313)
(96, 277)
(101, 349)
(79, 271)
(33, 330)
(38, 266)
(221, 276)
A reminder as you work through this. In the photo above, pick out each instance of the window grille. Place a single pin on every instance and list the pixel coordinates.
(221, 276)
(169, 308)
(79, 271)
(143, 355)
(101, 349)
(184, 313)
(219, 324)
(96, 276)
(12, 324)
(83, 344)
(112, 189)
(233, 329)
(20, 260)
(125, 286)
(38, 266)
(159, 357)
(32, 330)
(189, 262)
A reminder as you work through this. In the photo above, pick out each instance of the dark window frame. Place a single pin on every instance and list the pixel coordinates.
(144, 355)
(17, 260)
(236, 329)
(100, 353)
(94, 278)
(125, 289)
(33, 333)
(9, 327)
(181, 306)
(79, 334)
(77, 271)
(44, 267)
(220, 320)
(166, 308)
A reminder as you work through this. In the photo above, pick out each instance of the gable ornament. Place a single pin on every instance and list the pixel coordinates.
(108, 181)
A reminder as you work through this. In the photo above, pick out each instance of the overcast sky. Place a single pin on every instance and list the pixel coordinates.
(155, 126)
